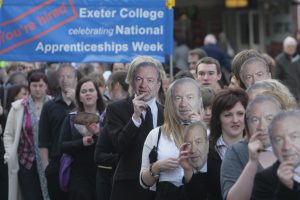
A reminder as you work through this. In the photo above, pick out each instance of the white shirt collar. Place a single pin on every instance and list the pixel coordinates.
(269, 149)
(203, 168)
(221, 147)
(220, 142)
(296, 176)
(151, 103)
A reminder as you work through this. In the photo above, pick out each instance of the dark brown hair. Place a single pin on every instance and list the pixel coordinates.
(12, 92)
(209, 60)
(36, 76)
(100, 103)
(119, 77)
(224, 100)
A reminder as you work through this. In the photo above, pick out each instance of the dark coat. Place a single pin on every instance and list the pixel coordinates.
(128, 141)
(268, 187)
(206, 185)
(288, 72)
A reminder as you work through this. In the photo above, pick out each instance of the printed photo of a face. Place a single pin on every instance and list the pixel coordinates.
(285, 138)
(196, 143)
(186, 100)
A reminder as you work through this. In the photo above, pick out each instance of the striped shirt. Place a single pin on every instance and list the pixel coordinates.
(221, 147)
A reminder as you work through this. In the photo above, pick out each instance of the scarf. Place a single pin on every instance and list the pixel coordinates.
(34, 125)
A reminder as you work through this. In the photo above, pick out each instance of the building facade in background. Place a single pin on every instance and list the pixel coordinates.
(261, 24)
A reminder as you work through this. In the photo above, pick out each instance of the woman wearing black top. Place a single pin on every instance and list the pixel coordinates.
(227, 126)
(78, 140)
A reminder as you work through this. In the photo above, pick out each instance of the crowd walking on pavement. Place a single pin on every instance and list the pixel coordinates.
(221, 128)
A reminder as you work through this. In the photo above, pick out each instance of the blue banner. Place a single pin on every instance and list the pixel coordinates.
(85, 30)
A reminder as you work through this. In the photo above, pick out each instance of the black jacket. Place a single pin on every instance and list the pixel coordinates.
(268, 187)
(206, 186)
(127, 139)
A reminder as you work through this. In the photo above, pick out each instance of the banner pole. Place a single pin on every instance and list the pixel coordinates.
(171, 67)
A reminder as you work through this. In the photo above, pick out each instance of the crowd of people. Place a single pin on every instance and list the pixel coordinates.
(216, 130)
